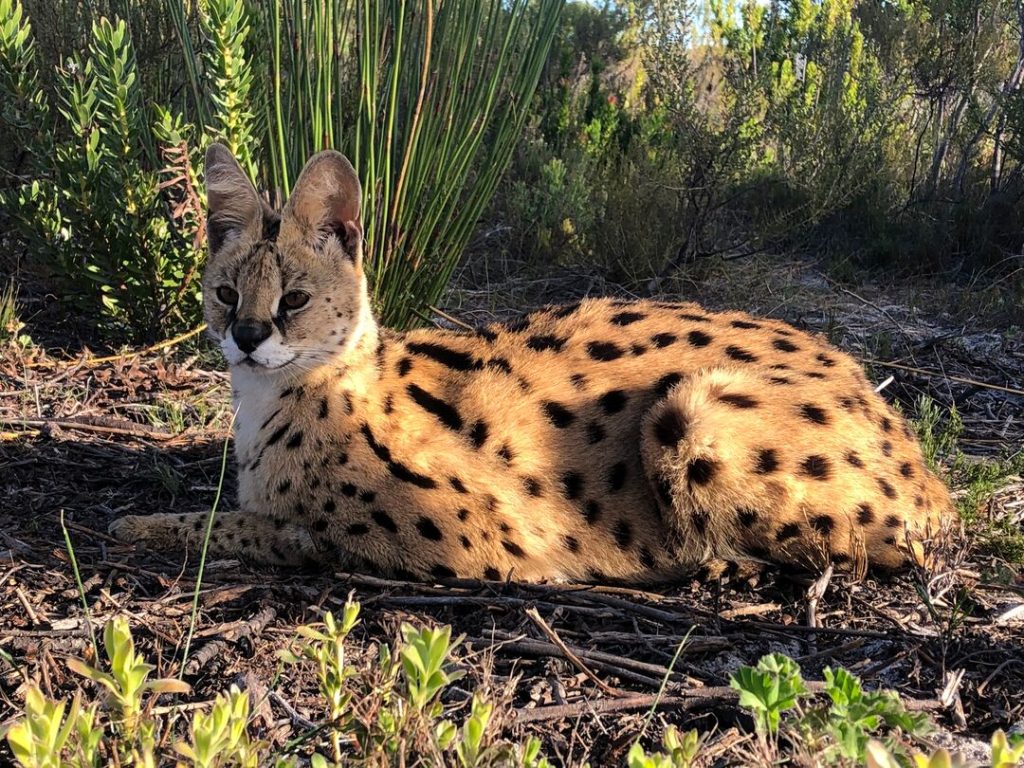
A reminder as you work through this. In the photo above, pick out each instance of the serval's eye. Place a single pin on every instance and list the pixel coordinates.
(294, 300)
(227, 295)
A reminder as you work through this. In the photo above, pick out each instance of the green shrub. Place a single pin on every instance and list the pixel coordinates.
(109, 207)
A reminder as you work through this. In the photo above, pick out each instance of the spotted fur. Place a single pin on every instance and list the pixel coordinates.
(603, 440)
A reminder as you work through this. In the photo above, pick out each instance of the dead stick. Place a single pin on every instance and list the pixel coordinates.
(939, 375)
(702, 697)
(572, 657)
(251, 628)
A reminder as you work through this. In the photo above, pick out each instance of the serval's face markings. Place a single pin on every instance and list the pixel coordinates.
(283, 294)
(601, 440)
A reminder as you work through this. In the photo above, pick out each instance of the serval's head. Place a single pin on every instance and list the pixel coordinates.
(284, 293)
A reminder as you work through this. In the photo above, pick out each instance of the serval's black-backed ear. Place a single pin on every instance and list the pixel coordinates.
(234, 207)
(326, 202)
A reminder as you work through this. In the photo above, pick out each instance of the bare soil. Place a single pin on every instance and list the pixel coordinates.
(86, 440)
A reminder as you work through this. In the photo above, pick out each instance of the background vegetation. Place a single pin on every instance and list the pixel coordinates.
(662, 132)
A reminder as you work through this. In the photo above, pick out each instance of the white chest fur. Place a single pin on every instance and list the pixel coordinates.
(255, 399)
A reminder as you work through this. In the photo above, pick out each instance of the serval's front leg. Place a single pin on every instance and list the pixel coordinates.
(235, 534)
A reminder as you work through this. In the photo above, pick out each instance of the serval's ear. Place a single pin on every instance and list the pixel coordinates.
(326, 203)
(235, 208)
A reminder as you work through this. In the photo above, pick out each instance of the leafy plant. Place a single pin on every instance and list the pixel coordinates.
(680, 751)
(772, 687)
(128, 681)
(46, 738)
(220, 738)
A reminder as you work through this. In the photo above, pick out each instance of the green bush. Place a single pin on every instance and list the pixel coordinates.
(109, 206)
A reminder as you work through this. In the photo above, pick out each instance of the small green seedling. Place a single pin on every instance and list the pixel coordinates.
(220, 737)
(680, 751)
(45, 738)
(128, 679)
(769, 689)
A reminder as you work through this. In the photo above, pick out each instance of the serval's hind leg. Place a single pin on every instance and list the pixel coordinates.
(787, 473)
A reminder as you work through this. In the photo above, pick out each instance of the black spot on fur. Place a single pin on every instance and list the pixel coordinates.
(278, 434)
(813, 413)
(739, 401)
(491, 574)
(604, 351)
(698, 339)
(592, 512)
(814, 375)
(699, 521)
(613, 401)
(817, 467)
(767, 461)
(505, 454)
(887, 488)
(457, 485)
(367, 497)
(518, 325)
(666, 382)
(397, 469)
(825, 360)
(781, 380)
(486, 333)
(450, 358)
(270, 418)
(744, 324)
(578, 381)
(907, 469)
(533, 487)
(383, 519)
(893, 521)
(738, 353)
(887, 447)
(284, 486)
(445, 412)
(664, 491)
(853, 459)
(617, 476)
(349, 490)
(572, 484)
(788, 531)
(670, 427)
(558, 414)
(464, 540)
(865, 514)
(623, 534)
(478, 434)
(662, 340)
(637, 349)
(595, 433)
(545, 342)
(701, 471)
(571, 543)
(294, 441)
(324, 408)
(428, 529)
(747, 517)
(823, 524)
(513, 549)
(357, 529)
(500, 364)
(694, 318)
(647, 559)
(785, 346)
(404, 366)
(565, 310)
(626, 318)
(440, 571)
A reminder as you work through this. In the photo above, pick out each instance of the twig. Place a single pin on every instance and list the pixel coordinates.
(684, 700)
(572, 657)
(88, 427)
(939, 375)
